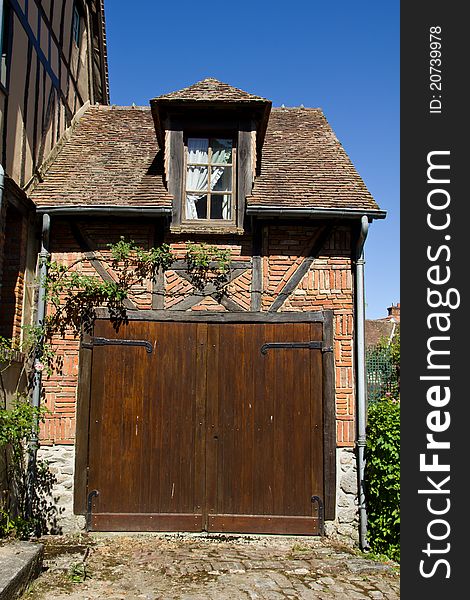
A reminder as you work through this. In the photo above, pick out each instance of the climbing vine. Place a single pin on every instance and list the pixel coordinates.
(208, 264)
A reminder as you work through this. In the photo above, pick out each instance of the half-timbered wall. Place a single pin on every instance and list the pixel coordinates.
(277, 268)
(47, 77)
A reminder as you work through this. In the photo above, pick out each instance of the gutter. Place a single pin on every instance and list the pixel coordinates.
(361, 379)
(116, 210)
(2, 187)
(258, 210)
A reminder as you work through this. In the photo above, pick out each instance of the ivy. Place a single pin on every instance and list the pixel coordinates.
(208, 264)
(24, 510)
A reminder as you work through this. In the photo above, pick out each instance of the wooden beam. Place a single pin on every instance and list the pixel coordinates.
(88, 248)
(176, 173)
(219, 317)
(321, 237)
(257, 266)
(158, 286)
(82, 427)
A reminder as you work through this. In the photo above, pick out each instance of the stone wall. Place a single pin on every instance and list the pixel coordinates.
(61, 460)
(344, 528)
(346, 525)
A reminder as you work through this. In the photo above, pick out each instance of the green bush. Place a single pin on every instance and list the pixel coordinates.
(23, 512)
(382, 477)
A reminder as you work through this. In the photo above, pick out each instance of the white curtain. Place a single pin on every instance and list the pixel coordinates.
(197, 176)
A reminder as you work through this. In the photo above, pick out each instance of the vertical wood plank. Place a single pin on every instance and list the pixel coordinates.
(158, 286)
(212, 419)
(329, 419)
(176, 173)
(81, 440)
(245, 170)
(257, 268)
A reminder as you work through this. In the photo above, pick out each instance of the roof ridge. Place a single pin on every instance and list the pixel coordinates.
(210, 86)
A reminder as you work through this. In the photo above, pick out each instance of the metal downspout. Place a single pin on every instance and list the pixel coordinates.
(37, 380)
(2, 187)
(361, 379)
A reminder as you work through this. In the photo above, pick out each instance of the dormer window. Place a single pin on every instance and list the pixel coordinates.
(210, 179)
(211, 135)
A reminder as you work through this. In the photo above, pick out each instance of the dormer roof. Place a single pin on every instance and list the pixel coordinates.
(212, 95)
(210, 90)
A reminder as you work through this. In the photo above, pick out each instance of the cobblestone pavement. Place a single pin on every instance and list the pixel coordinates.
(185, 567)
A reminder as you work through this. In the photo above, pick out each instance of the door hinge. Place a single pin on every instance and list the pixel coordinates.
(89, 507)
(274, 345)
(321, 518)
(101, 341)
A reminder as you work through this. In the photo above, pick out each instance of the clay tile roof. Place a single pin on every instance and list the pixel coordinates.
(378, 329)
(211, 89)
(112, 157)
(304, 165)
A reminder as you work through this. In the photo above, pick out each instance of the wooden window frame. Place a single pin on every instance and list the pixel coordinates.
(77, 28)
(233, 193)
(6, 24)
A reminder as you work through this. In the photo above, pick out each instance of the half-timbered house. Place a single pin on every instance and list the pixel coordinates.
(53, 65)
(234, 412)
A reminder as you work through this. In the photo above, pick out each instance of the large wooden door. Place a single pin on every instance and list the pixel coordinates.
(206, 426)
(264, 444)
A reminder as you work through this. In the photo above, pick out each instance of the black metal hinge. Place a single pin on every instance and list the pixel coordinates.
(101, 341)
(91, 495)
(310, 345)
(321, 518)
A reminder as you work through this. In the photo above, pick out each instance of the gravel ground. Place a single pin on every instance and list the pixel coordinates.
(216, 567)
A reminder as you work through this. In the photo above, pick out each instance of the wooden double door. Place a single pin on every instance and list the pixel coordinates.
(205, 426)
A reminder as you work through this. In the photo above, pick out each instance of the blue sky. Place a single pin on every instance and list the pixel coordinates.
(342, 57)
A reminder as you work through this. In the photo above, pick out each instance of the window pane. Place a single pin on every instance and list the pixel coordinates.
(221, 179)
(198, 149)
(201, 208)
(221, 151)
(196, 179)
(76, 25)
(221, 206)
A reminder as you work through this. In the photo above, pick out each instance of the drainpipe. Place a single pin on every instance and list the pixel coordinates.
(41, 312)
(361, 379)
(2, 187)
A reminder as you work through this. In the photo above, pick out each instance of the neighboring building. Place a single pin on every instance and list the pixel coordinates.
(53, 64)
(206, 412)
(383, 373)
(377, 330)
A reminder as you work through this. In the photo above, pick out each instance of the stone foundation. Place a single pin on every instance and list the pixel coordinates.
(61, 460)
(345, 527)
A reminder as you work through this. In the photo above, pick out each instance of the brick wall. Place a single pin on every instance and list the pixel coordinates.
(326, 285)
